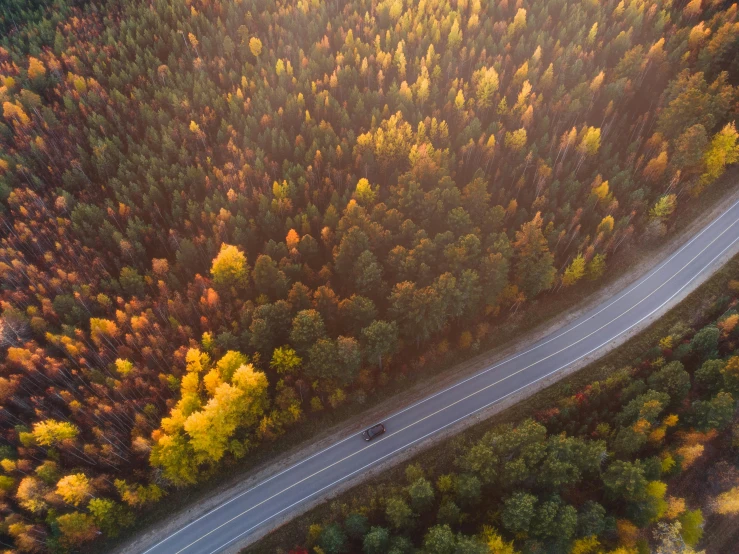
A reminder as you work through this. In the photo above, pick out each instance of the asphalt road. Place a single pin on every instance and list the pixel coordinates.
(232, 522)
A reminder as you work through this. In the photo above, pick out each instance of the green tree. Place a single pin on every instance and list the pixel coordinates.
(268, 279)
(518, 511)
(398, 513)
(76, 528)
(554, 520)
(448, 513)
(356, 525)
(689, 149)
(367, 273)
(494, 277)
(715, 413)
(470, 545)
(591, 519)
(705, 342)
(376, 541)
(110, 516)
(468, 490)
(567, 459)
(625, 480)
(132, 282)
(628, 441)
(421, 493)
(648, 406)
(269, 326)
(189, 258)
(709, 376)
(690, 100)
(349, 357)
(307, 328)
(323, 360)
(380, 340)
(672, 379)
(356, 312)
(332, 539)
(439, 539)
(400, 545)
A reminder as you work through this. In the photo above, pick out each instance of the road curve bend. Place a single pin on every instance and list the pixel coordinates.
(229, 524)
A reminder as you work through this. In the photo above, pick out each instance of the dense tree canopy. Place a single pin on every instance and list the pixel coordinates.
(219, 217)
(625, 465)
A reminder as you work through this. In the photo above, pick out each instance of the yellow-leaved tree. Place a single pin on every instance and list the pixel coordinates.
(722, 152)
(390, 142)
(495, 542)
(240, 404)
(229, 269)
(574, 272)
(51, 432)
(727, 503)
(219, 410)
(255, 46)
(75, 489)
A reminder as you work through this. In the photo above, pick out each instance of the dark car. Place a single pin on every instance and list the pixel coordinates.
(374, 431)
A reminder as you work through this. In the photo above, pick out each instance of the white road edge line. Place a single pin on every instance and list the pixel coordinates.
(465, 416)
(487, 387)
(619, 296)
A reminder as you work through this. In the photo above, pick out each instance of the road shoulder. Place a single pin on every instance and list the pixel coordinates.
(638, 265)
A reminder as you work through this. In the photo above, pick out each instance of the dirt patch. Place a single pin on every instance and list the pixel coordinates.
(551, 313)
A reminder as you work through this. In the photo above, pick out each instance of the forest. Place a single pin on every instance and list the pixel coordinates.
(621, 466)
(219, 218)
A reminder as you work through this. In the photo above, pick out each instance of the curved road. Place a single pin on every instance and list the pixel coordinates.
(230, 523)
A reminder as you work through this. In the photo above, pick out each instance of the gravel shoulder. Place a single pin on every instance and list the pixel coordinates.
(633, 265)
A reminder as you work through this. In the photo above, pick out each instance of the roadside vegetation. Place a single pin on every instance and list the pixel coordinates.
(219, 220)
(642, 459)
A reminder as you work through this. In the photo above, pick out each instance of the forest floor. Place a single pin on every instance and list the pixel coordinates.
(511, 333)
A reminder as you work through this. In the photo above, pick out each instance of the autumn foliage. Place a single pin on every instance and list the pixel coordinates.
(219, 218)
